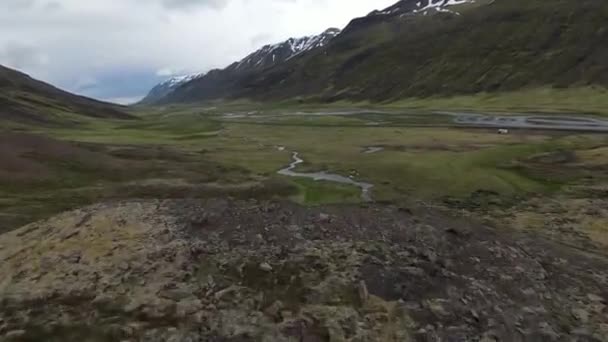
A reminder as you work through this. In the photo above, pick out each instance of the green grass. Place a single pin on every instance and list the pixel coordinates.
(574, 100)
(313, 192)
(154, 131)
(589, 100)
(423, 162)
(196, 145)
(99, 172)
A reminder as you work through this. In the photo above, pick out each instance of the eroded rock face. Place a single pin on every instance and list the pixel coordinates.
(248, 271)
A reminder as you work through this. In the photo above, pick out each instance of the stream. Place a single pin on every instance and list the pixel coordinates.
(331, 177)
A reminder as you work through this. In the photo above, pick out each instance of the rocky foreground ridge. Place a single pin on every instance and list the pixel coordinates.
(221, 270)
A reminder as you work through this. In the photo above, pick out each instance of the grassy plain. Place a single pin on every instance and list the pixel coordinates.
(588, 100)
(236, 149)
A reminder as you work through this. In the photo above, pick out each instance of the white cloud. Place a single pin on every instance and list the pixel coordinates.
(168, 71)
(67, 41)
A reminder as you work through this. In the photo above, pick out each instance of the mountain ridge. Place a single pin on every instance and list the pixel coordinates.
(24, 99)
(164, 88)
(265, 57)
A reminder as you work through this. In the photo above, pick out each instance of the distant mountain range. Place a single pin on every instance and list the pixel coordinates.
(29, 101)
(420, 48)
(265, 57)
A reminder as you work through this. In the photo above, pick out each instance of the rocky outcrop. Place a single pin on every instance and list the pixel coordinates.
(220, 270)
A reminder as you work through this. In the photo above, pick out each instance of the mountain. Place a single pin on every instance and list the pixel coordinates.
(418, 6)
(270, 55)
(420, 48)
(26, 100)
(265, 57)
(164, 88)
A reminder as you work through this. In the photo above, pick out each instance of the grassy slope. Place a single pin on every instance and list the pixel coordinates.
(25, 101)
(500, 47)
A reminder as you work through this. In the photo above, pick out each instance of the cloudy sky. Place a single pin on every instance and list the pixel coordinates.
(118, 49)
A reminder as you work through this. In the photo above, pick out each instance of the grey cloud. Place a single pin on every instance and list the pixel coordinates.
(53, 6)
(260, 39)
(21, 56)
(179, 4)
(216, 4)
(17, 4)
(24, 5)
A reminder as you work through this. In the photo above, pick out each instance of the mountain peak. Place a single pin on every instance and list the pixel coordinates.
(272, 54)
(418, 6)
(167, 86)
(332, 31)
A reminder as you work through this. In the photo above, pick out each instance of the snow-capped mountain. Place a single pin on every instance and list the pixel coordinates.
(162, 89)
(265, 57)
(407, 8)
(404, 7)
(269, 55)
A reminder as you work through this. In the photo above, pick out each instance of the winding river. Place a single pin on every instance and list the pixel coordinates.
(331, 177)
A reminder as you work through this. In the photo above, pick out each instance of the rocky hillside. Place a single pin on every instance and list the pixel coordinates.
(26, 100)
(440, 48)
(220, 270)
(270, 55)
(265, 57)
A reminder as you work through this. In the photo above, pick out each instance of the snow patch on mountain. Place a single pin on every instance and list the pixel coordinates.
(175, 81)
(424, 7)
(164, 88)
(273, 53)
(440, 5)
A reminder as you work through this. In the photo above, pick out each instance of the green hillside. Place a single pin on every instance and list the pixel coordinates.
(24, 100)
(489, 47)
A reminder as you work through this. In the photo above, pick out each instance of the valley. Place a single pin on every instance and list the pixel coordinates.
(436, 170)
(239, 149)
